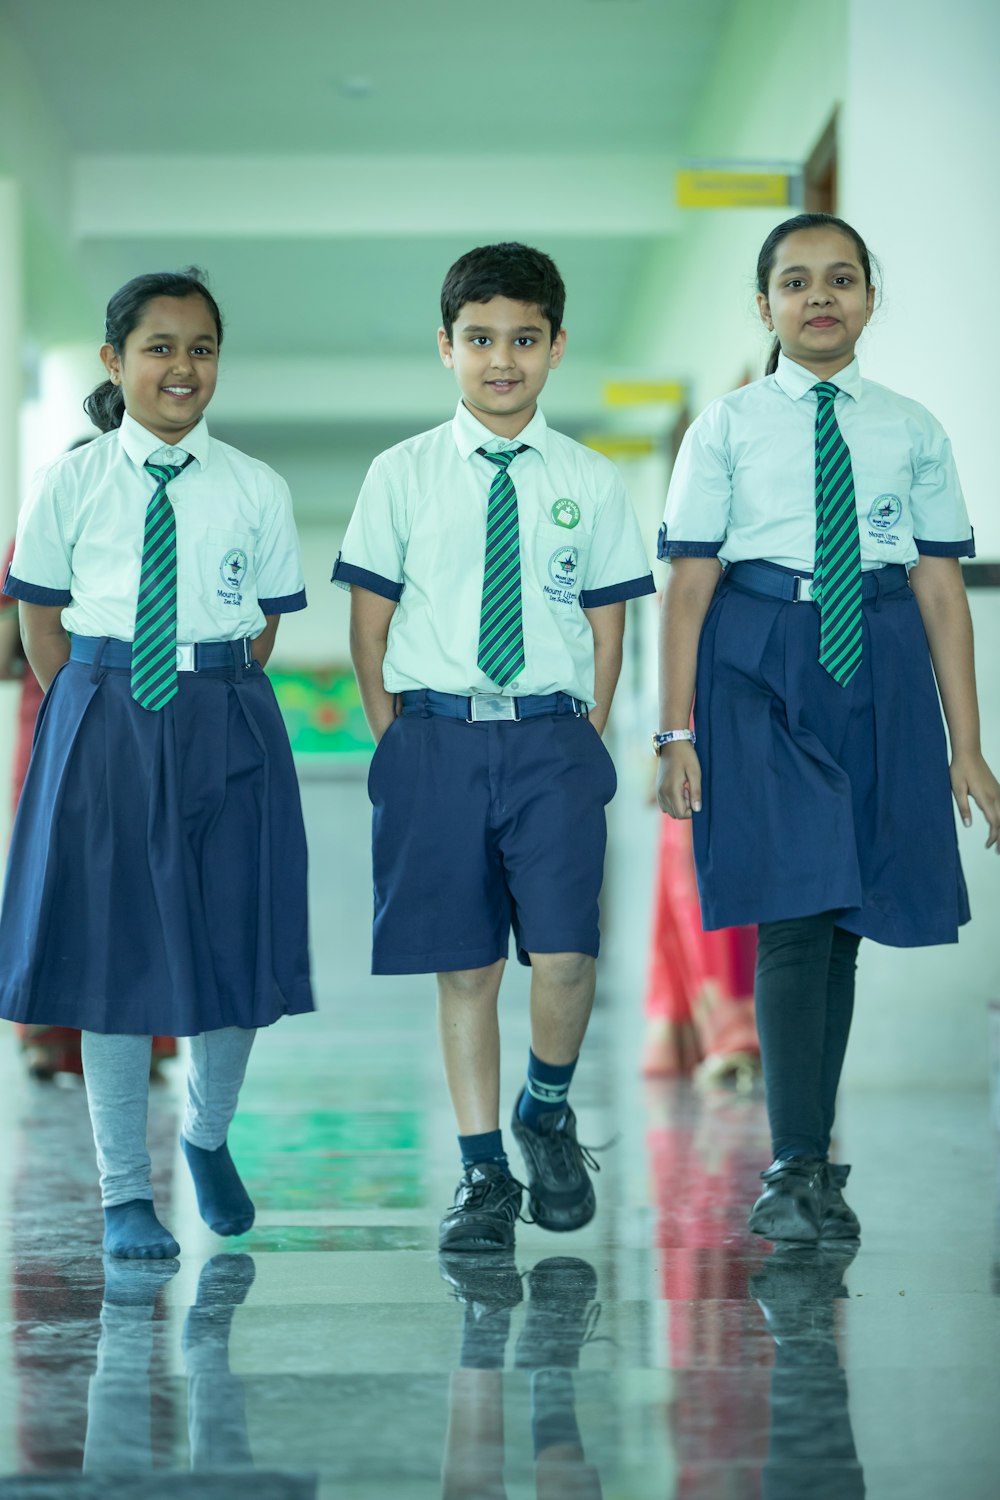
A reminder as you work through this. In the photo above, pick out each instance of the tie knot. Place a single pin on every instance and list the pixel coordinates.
(164, 472)
(825, 391)
(502, 459)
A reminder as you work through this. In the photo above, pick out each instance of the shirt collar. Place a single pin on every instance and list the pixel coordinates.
(470, 434)
(140, 444)
(796, 381)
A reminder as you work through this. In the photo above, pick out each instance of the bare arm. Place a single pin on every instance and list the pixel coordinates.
(944, 609)
(608, 625)
(11, 661)
(262, 645)
(689, 593)
(370, 617)
(46, 644)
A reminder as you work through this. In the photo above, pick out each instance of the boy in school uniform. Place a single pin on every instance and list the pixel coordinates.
(489, 561)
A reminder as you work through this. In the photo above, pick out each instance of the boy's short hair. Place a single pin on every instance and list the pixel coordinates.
(507, 270)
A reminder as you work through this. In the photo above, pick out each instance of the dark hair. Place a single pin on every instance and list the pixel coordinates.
(769, 254)
(507, 270)
(105, 406)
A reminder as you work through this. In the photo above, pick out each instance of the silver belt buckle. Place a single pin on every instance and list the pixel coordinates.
(185, 658)
(482, 706)
(803, 590)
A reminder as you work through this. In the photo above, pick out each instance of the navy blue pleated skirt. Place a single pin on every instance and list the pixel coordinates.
(156, 882)
(818, 797)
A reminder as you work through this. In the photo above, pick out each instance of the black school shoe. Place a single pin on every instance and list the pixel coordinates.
(486, 1208)
(792, 1205)
(561, 1192)
(839, 1221)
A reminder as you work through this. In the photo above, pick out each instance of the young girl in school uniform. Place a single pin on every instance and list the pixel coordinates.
(819, 787)
(156, 881)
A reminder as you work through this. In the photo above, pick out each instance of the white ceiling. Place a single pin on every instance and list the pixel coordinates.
(326, 160)
(254, 77)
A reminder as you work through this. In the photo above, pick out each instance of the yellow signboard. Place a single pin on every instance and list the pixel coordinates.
(643, 393)
(620, 444)
(713, 187)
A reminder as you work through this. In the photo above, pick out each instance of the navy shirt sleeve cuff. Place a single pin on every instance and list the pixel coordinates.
(633, 588)
(284, 604)
(965, 548)
(666, 549)
(346, 574)
(34, 593)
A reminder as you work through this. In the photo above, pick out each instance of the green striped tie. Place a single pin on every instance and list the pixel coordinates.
(501, 644)
(836, 585)
(154, 643)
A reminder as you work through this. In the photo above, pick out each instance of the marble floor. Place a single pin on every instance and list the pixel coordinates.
(661, 1352)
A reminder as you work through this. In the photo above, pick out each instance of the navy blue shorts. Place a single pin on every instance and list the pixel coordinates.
(477, 828)
(817, 797)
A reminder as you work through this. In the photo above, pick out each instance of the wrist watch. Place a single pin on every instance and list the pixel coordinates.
(667, 737)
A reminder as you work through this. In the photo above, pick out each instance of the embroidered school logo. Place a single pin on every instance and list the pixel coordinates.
(233, 567)
(566, 513)
(885, 511)
(563, 566)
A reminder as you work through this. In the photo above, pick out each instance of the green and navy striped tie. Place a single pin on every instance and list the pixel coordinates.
(836, 585)
(501, 643)
(154, 643)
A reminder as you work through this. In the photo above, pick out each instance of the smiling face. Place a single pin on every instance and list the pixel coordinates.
(169, 365)
(501, 352)
(817, 300)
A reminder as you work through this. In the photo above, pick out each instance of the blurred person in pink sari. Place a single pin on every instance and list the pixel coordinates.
(699, 989)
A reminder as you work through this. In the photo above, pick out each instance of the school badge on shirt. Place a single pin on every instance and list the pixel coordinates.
(883, 516)
(232, 571)
(564, 571)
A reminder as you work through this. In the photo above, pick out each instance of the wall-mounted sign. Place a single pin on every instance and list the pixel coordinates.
(738, 187)
(643, 393)
(620, 444)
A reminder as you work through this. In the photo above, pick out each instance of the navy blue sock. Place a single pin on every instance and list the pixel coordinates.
(485, 1147)
(223, 1201)
(546, 1089)
(133, 1232)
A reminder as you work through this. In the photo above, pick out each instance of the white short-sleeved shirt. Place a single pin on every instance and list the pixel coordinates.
(80, 533)
(418, 536)
(743, 486)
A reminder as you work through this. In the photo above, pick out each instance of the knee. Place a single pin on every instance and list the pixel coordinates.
(459, 986)
(568, 971)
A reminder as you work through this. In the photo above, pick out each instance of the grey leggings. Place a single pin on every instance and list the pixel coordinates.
(117, 1072)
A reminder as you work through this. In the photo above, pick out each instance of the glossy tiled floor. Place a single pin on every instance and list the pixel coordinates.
(661, 1352)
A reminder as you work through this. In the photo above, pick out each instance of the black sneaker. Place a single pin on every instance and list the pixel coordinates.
(561, 1193)
(487, 1206)
(791, 1205)
(560, 1292)
(839, 1221)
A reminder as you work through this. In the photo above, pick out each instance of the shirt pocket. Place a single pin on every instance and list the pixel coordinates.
(227, 569)
(559, 557)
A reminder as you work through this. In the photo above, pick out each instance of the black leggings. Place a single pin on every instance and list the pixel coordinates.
(805, 1000)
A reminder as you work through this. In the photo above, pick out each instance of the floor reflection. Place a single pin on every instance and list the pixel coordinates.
(561, 1317)
(810, 1448)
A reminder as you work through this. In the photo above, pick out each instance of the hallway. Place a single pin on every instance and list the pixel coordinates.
(665, 1353)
